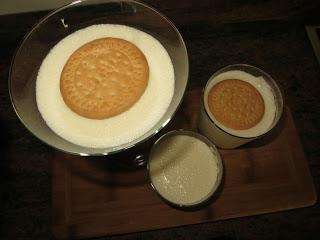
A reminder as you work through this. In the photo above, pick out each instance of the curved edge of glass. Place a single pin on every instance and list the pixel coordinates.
(275, 85)
(99, 151)
(212, 147)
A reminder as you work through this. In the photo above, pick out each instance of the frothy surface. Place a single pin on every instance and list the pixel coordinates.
(263, 88)
(183, 169)
(123, 128)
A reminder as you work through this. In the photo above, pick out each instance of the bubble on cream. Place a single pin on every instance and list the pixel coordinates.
(120, 129)
(183, 169)
(267, 95)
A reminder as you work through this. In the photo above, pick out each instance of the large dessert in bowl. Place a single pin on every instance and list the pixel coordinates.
(135, 111)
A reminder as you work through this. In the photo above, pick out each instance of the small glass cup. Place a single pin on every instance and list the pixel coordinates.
(197, 137)
(220, 137)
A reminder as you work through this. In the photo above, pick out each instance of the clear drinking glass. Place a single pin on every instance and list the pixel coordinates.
(198, 137)
(219, 136)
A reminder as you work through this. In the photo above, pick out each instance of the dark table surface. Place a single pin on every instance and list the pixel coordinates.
(268, 34)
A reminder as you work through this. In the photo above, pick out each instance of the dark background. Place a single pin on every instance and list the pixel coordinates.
(268, 34)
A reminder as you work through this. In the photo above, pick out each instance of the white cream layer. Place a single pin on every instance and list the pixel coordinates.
(123, 128)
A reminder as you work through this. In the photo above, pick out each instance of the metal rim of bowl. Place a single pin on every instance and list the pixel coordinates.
(212, 148)
(122, 147)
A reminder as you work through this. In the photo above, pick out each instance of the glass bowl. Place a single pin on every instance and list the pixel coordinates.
(68, 19)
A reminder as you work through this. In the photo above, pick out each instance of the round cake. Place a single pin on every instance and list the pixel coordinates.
(104, 78)
(236, 104)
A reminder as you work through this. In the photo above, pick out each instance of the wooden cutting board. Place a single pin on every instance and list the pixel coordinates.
(95, 196)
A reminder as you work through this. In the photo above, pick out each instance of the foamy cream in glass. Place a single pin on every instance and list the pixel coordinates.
(183, 169)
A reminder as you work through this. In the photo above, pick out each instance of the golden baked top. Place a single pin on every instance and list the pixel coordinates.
(104, 78)
(236, 104)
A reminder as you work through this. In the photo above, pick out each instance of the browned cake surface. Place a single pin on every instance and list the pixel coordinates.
(236, 104)
(104, 78)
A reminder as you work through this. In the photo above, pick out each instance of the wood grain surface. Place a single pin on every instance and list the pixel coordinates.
(100, 196)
